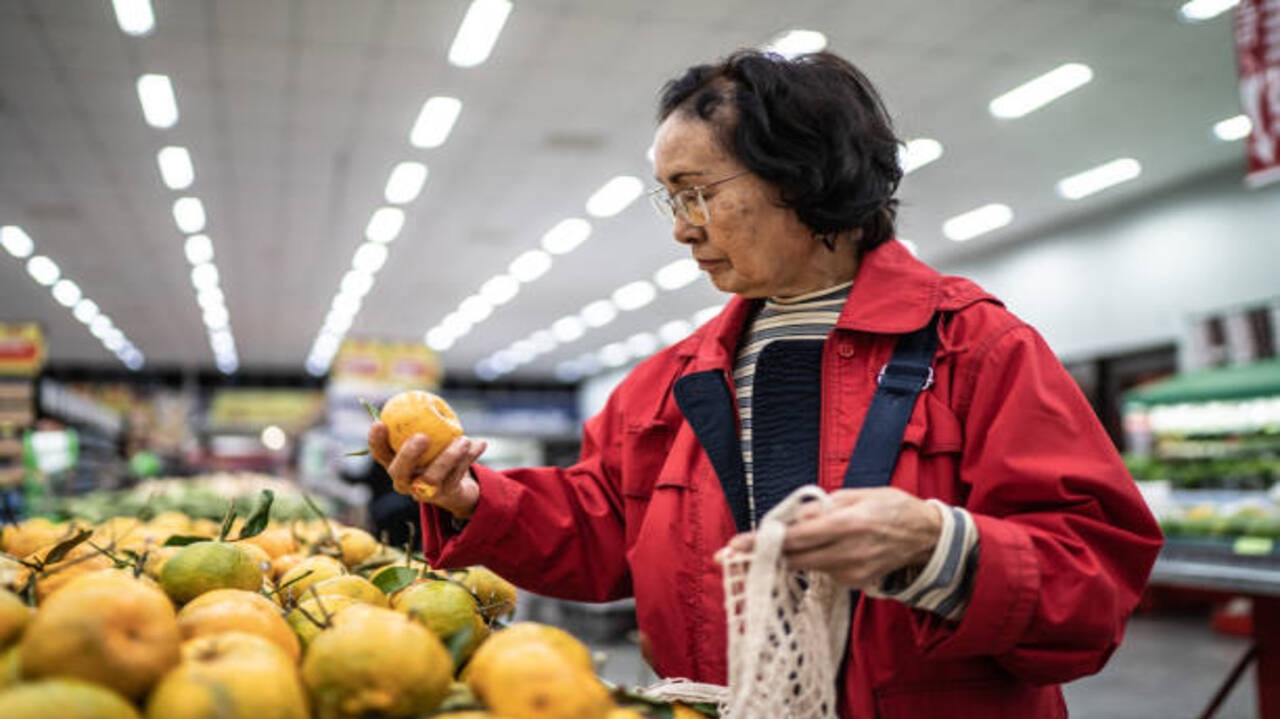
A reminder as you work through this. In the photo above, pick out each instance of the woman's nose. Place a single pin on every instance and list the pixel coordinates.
(685, 232)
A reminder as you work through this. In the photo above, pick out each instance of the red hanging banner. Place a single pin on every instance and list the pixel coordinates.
(1258, 59)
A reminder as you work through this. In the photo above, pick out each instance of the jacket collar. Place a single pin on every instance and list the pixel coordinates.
(893, 293)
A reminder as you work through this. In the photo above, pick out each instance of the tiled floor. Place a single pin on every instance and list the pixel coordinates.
(1167, 668)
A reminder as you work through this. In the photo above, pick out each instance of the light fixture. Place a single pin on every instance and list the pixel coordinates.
(530, 266)
(435, 121)
(16, 241)
(216, 317)
(1233, 128)
(456, 324)
(384, 225)
(475, 309)
(976, 222)
(614, 355)
(439, 339)
(567, 329)
(566, 235)
(175, 167)
(135, 17)
(793, 43)
(614, 196)
(188, 214)
(405, 182)
(86, 309)
(1041, 91)
(273, 438)
(478, 32)
(210, 297)
(159, 106)
(100, 326)
(598, 313)
(356, 283)
(642, 344)
(706, 314)
(917, 153)
(543, 341)
(634, 295)
(204, 276)
(198, 249)
(1200, 10)
(500, 289)
(1099, 178)
(674, 331)
(568, 371)
(675, 275)
(66, 292)
(369, 257)
(43, 270)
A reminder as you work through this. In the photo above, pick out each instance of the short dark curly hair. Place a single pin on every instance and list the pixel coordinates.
(814, 126)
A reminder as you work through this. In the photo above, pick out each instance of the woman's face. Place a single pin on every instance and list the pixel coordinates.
(751, 246)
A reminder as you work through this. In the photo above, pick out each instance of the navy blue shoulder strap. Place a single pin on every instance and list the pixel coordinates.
(908, 373)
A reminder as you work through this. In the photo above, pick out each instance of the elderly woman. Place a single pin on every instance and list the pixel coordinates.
(994, 537)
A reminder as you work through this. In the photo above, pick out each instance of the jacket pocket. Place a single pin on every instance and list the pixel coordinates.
(933, 428)
(993, 698)
(644, 451)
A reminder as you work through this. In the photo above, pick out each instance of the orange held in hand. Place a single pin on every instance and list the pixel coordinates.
(418, 412)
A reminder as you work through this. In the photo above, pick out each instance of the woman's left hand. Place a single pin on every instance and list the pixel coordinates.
(865, 536)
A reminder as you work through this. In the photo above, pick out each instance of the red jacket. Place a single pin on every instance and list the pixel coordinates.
(1065, 540)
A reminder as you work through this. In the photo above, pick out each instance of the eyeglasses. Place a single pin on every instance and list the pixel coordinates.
(687, 203)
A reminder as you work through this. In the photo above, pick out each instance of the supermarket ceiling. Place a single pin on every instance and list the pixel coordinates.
(295, 112)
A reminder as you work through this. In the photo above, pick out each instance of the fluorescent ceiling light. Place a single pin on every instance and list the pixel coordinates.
(204, 276)
(210, 297)
(159, 107)
(435, 121)
(356, 283)
(706, 314)
(344, 304)
(188, 214)
(114, 342)
(199, 249)
(16, 241)
(614, 196)
(530, 266)
(216, 318)
(793, 43)
(674, 331)
(568, 371)
(405, 182)
(598, 313)
(100, 326)
(85, 311)
(918, 153)
(475, 309)
(500, 289)
(1233, 128)
(642, 344)
(1041, 91)
(567, 329)
(339, 322)
(543, 341)
(175, 167)
(478, 32)
(523, 351)
(634, 295)
(134, 17)
(384, 225)
(43, 270)
(439, 339)
(566, 235)
(1099, 178)
(1200, 10)
(369, 257)
(976, 222)
(677, 274)
(614, 355)
(67, 293)
(134, 360)
(456, 324)
(486, 371)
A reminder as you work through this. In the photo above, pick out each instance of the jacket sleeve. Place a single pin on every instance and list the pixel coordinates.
(557, 532)
(1066, 542)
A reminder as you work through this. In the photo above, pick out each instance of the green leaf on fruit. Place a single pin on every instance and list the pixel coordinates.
(258, 519)
(182, 540)
(393, 580)
(356, 453)
(373, 411)
(458, 643)
(65, 546)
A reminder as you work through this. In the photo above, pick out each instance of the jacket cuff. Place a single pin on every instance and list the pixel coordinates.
(446, 546)
(943, 583)
(1002, 600)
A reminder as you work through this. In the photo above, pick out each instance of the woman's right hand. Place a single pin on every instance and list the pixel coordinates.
(446, 482)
